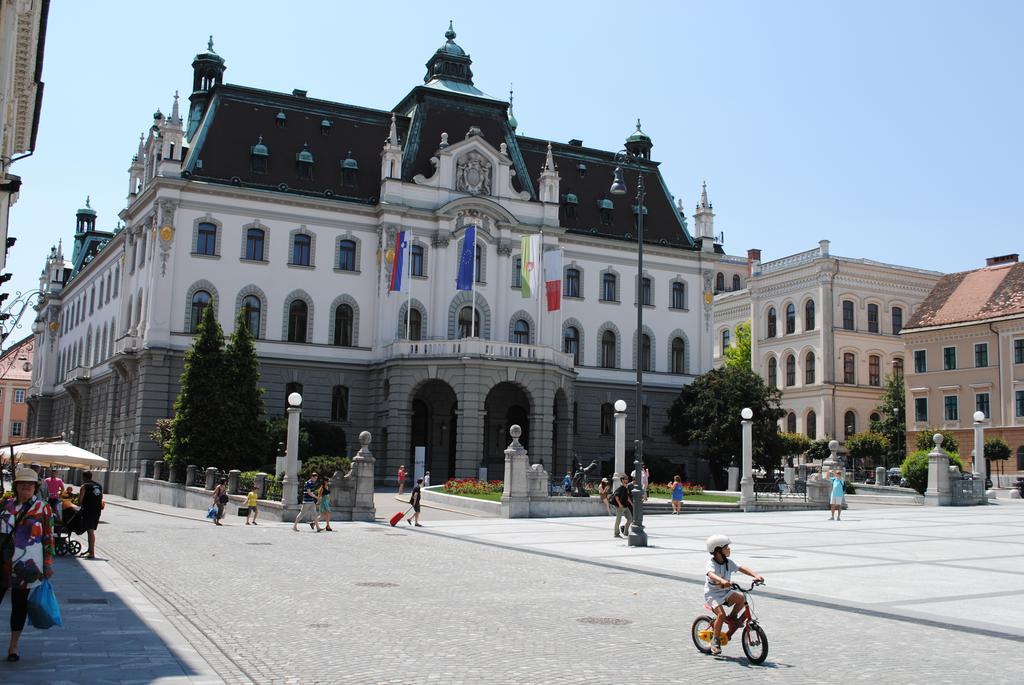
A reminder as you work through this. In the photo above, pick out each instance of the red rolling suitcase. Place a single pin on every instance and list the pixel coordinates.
(397, 517)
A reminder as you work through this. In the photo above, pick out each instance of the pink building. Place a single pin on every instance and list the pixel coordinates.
(15, 379)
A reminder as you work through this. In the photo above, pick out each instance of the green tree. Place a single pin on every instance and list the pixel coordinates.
(201, 426)
(915, 468)
(793, 444)
(949, 443)
(708, 412)
(868, 447)
(893, 421)
(819, 451)
(738, 355)
(997, 449)
(246, 397)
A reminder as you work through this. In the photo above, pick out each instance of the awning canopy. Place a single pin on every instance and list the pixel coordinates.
(54, 453)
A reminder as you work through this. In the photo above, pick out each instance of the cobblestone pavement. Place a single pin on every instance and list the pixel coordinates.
(458, 601)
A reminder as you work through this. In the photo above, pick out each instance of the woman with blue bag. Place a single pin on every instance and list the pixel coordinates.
(26, 549)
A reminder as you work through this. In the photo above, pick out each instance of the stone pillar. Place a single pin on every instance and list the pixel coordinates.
(734, 478)
(233, 477)
(362, 471)
(290, 484)
(191, 475)
(747, 482)
(620, 443)
(159, 470)
(260, 485)
(939, 492)
(980, 466)
(172, 473)
(211, 477)
(145, 468)
(881, 477)
(515, 499)
(789, 475)
(831, 463)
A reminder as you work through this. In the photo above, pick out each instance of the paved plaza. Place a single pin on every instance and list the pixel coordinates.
(898, 594)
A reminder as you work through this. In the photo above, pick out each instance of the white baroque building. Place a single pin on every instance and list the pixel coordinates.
(824, 329)
(286, 208)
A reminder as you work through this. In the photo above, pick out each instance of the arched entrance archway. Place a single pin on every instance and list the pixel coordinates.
(434, 427)
(507, 404)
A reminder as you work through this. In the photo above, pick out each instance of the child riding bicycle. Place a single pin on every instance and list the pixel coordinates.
(718, 592)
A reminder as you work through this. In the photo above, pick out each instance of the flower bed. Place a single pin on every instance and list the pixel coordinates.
(665, 490)
(472, 486)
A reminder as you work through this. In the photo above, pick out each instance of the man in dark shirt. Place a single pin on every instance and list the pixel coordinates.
(623, 507)
(414, 500)
(90, 502)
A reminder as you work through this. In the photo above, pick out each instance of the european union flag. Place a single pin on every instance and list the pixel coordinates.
(467, 261)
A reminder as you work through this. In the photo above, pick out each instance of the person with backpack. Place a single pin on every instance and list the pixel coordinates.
(623, 507)
(90, 504)
(220, 500)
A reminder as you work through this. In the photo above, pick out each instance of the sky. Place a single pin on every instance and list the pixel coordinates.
(892, 129)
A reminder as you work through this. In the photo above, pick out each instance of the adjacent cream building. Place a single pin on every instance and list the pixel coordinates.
(965, 352)
(825, 329)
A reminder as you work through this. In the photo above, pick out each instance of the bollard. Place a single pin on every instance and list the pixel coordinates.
(260, 485)
(211, 478)
(145, 468)
(233, 476)
(158, 470)
(880, 476)
(172, 473)
(191, 475)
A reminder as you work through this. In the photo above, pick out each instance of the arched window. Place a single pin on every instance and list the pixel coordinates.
(416, 256)
(521, 332)
(200, 301)
(719, 282)
(645, 290)
(872, 318)
(645, 352)
(571, 343)
(339, 403)
(790, 371)
(608, 350)
(301, 249)
(809, 315)
(735, 282)
(809, 369)
(206, 239)
(848, 323)
(897, 320)
(298, 312)
(849, 424)
(572, 283)
(791, 423)
(773, 373)
(517, 271)
(608, 288)
(415, 325)
(849, 368)
(607, 414)
(343, 320)
(251, 313)
(678, 355)
(812, 425)
(874, 370)
(772, 323)
(897, 367)
(725, 340)
(466, 320)
(479, 263)
(1020, 458)
(254, 242)
(678, 295)
(875, 417)
(347, 256)
(790, 318)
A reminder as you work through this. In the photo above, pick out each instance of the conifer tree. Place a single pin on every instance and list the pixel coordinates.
(203, 405)
(247, 425)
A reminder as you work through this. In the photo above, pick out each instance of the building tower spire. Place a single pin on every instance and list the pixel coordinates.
(450, 62)
(207, 72)
(511, 117)
(704, 221)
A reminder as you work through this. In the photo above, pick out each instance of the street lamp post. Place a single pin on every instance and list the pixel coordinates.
(637, 534)
(980, 467)
(747, 481)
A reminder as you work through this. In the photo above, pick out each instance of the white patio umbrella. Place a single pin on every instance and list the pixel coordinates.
(55, 453)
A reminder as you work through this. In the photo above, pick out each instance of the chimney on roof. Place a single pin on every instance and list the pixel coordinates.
(753, 261)
(299, 93)
(1002, 259)
(576, 141)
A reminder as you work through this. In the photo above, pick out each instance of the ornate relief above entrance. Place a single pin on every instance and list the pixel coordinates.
(473, 174)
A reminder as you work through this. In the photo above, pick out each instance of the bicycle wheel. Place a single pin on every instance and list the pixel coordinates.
(755, 643)
(74, 547)
(701, 633)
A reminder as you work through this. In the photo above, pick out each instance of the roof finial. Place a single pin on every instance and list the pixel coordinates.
(87, 202)
(511, 117)
(393, 133)
(450, 33)
(704, 194)
(549, 160)
(209, 45)
(175, 114)
(638, 123)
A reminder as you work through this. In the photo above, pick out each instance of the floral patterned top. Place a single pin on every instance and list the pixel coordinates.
(33, 542)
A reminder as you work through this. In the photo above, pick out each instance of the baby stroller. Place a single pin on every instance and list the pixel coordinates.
(70, 522)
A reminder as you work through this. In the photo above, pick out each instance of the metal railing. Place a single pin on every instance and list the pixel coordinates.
(780, 490)
(126, 343)
(476, 348)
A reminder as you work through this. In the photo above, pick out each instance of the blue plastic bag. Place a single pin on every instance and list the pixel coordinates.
(43, 610)
(211, 513)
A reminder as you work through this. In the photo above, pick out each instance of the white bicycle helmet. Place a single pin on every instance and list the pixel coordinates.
(716, 541)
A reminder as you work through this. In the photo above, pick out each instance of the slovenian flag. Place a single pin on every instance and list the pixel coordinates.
(398, 268)
(553, 279)
(529, 253)
(467, 261)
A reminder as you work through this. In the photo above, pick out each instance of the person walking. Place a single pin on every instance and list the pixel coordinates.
(251, 510)
(220, 499)
(567, 484)
(90, 505)
(623, 507)
(677, 495)
(54, 488)
(323, 504)
(308, 507)
(605, 490)
(414, 500)
(26, 549)
(426, 479)
(401, 480)
(645, 481)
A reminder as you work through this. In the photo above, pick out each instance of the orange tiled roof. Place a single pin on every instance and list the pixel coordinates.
(988, 293)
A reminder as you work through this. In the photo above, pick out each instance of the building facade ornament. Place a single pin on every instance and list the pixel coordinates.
(473, 174)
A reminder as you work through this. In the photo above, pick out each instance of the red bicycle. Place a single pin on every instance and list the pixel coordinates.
(753, 639)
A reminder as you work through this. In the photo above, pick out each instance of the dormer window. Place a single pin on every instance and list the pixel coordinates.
(258, 155)
(570, 203)
(581, 169)
(281, 119)
(304, 163)
(606, 208)
(325, 127)
(349, 172)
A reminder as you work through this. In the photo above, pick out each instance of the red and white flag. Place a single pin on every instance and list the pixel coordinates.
(553, 279)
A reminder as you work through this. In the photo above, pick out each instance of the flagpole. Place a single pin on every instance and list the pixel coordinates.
(472, 316)
(408, 281)
(539, 276)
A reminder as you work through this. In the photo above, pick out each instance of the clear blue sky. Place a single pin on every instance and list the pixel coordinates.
(892, 129)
